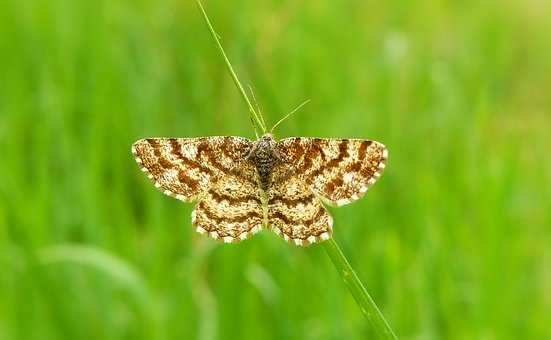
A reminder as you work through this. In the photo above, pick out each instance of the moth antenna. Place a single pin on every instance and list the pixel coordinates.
(289, 114)
(256, 104)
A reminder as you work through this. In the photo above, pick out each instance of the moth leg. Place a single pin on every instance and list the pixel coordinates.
(251, 153)
(237, 169)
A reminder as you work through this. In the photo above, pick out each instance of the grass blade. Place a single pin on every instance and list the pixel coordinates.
(252, 111)
(114, 267)
(368, 307)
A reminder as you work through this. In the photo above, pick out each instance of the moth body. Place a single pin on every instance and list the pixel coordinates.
(264, 158)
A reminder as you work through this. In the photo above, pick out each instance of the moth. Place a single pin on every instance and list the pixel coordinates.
(241, 186)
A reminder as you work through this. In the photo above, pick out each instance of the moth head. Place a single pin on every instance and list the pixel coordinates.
(267, 136)
(267, 140)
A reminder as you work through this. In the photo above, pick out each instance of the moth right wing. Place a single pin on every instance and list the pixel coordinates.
(339, 170)
(185, 168)
(295, 212)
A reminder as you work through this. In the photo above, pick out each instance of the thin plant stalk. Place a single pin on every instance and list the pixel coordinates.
(376, 320)
(254, 115)
(368, 307)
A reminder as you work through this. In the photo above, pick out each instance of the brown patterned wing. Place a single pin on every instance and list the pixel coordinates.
(339, 170)
(185, 168)
(295, 213)
(232, 209)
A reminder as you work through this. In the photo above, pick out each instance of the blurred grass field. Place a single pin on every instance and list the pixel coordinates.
(453, 242)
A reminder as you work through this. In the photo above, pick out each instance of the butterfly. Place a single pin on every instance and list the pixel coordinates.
(241, 186)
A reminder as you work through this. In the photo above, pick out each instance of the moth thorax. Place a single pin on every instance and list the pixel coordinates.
(265, 160)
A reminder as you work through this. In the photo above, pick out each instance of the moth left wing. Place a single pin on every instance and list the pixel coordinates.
(339, 170)
(185, 168)
(231, 210)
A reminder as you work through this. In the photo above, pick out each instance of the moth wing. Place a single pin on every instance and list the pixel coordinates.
(185, 168)
(231, 210)
(339, 170)
(296, 214)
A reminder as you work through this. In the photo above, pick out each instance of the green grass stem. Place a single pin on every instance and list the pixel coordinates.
(363, 299)
(255, 116)
(368, 307)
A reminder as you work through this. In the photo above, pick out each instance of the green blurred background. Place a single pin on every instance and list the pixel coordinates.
(453, 242)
